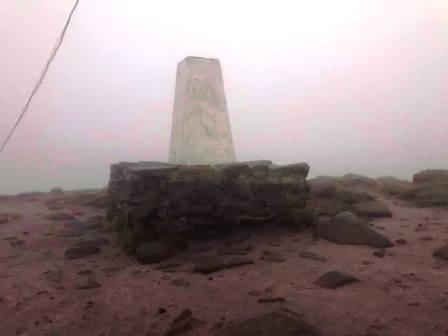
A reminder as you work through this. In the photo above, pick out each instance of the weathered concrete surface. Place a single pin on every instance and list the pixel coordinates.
(153, 201)
(201, 131)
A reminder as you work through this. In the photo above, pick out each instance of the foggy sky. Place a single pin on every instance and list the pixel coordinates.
(347, 86)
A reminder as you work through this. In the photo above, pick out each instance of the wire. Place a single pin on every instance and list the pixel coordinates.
(41, 77)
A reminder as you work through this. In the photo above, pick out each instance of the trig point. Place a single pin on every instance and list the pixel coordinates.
(200, 131)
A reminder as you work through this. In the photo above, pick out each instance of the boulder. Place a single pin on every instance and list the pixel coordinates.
(274, 323)
(428, 195)
(351, 179)
(431, 176)
(373, 209)
(347, 228)
(393, 186)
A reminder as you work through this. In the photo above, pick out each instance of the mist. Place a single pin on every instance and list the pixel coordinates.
(347, 86)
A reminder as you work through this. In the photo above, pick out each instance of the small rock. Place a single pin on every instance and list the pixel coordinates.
(71, 232)
(182, 324)
(271, 324)
(378, 329)
(53, 276)
(10, 238)
(165, 266)
(112, 269)
(81, 250)
(335, 279)
(307, 254)
(209, 265)
(149, 253)
(401, 241)
(17, 242)
(87, 282)
(161, 311)
(59, 216)
(270, 256)
(381, 253)
(180, 283)
(441, 252)
(271, 299)
(254, 292)
(426, 238)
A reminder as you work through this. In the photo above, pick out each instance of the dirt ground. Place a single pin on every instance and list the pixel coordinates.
(403, 293)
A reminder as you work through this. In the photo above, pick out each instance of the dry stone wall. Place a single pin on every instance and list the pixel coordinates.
(155, 201)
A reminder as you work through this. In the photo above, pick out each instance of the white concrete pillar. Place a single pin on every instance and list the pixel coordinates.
(200, 131)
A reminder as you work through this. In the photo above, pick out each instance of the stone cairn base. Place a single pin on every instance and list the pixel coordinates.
(173, 204)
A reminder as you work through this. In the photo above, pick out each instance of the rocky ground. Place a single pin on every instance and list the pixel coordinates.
(62, 272)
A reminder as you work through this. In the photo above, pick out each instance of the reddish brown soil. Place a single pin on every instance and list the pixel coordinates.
(404, 293)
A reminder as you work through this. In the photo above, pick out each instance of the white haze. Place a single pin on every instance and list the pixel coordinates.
(347, 86)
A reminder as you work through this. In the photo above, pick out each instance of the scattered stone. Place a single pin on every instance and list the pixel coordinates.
(71, 232)
(94, 223)
(87, 282)
(95, 242)
(374, 209)
(10, 238)
(378, 329)
(59, 216)
(271, 299)
(335, 279)
(426, 238)
(270, 256)
(241, 249)
(381, 253)
(401, 241)
(347, 228)
(254, 292)
(168, 266)
(53, 276)
(161, 311)
(270, 324)
(149, 253)
(112, 269)
(9, 217)
(209, 265)
(441, 252)
(182, 324)
(307, 254)
(81, 250)
(180, 282)
(85, 272)
(18, 242)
